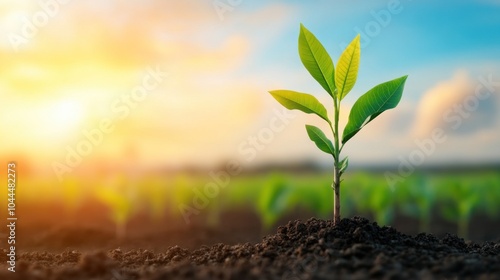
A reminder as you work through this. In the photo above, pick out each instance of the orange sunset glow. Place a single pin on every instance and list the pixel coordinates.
(184, 83)
(84, 67)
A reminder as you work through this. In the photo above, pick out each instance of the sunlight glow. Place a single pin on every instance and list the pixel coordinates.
(64, 116)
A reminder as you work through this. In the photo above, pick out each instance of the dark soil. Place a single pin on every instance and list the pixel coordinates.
(315, 249)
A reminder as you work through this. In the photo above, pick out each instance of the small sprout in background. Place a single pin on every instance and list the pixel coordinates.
(157, 195)
(416, 197)
(490, 190)
(382, 202)
(120, 203)
(273, 200)
(462, 199)
(337, 83)
(373, 197)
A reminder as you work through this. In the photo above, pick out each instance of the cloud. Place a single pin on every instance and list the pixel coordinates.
(453, 106)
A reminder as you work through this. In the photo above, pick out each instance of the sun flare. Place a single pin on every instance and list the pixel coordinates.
(65, 116)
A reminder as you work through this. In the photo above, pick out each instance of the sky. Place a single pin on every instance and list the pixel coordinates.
(176, 83)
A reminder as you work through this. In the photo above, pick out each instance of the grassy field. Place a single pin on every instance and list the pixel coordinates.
(456, 197)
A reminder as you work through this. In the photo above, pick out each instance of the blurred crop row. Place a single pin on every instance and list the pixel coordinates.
(455, 197)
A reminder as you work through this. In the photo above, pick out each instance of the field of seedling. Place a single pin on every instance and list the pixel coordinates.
(426, 198)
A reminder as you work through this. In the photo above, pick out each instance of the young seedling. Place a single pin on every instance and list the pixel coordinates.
(156, 193)
(417, 197)
(120, 204)
(462, 200)
(272, 200)
(337, 83)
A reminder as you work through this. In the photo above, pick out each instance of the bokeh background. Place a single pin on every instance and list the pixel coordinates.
(181, 87)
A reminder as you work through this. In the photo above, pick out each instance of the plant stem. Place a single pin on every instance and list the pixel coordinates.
(120, 230)
(336, 167)
(463, 227)
(336, 195)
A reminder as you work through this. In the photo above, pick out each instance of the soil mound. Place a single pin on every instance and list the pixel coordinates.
(314, 249)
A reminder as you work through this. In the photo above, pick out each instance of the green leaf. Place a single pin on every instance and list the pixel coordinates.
(380, 98)
(321, 141)
(316, 60)
(343, 164)
(347, 68)
(300, 101)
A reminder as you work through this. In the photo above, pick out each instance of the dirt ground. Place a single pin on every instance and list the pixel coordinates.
(52, 244)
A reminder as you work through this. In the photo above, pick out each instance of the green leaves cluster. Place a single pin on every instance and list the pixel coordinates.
(338, 82)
